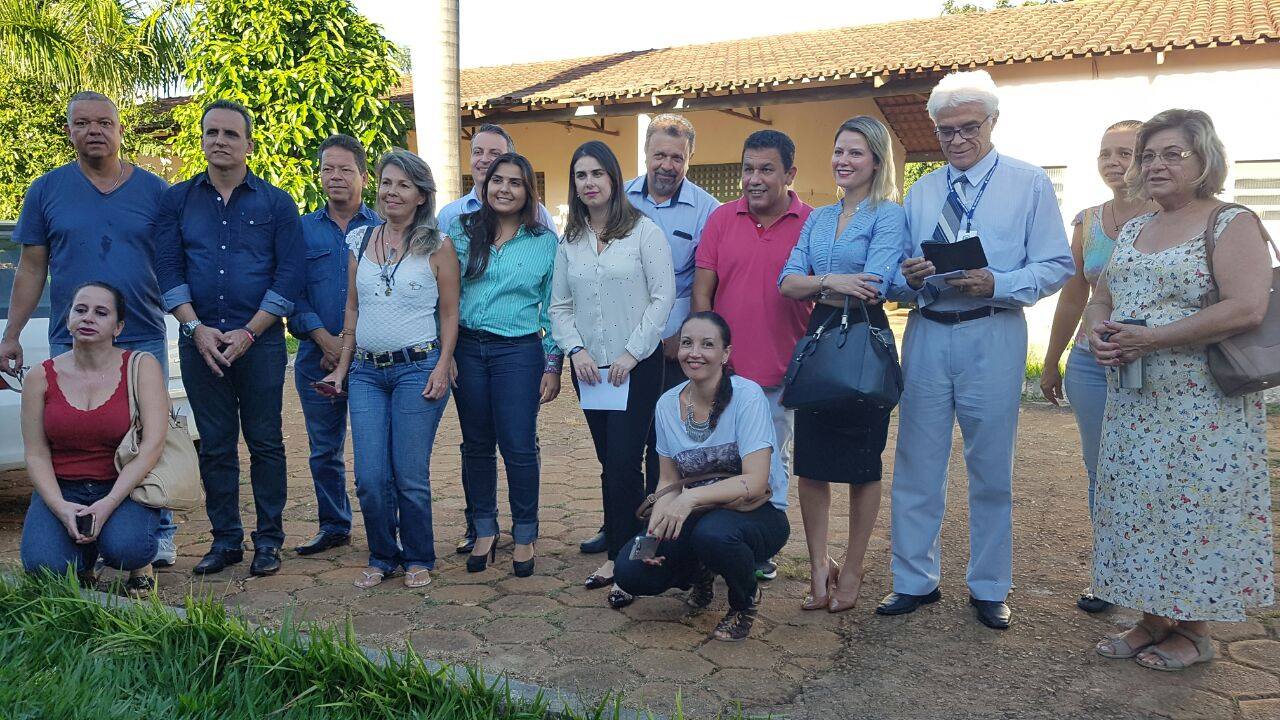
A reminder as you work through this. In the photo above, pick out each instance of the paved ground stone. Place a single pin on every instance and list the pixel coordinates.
(463, 594)
(1260, 709)
(523, 606)
(796, 664)
(379, 624)
(428, 642)
(1232, 679)
(1262, 653)
(454, 616)
(670, 664)
(514, 630)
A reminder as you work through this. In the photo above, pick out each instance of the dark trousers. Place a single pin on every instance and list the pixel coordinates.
(620, 437)
(246, 398)
(497, 398)
(726, 542)
(326, 421)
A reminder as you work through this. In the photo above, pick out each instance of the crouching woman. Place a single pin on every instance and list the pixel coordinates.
(722, 493)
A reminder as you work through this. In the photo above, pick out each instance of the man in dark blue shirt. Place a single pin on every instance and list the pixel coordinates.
(229, 259)
(92, 219)
(317, 322)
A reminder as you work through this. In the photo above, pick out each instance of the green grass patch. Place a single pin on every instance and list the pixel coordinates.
(65, 655)
(291, 343)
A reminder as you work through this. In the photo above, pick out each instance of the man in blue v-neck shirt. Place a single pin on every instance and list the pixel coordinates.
(91, 219)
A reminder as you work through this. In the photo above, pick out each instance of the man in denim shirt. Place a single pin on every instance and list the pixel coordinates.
(229, 259)
(317, 322)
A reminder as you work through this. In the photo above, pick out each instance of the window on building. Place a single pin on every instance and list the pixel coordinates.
(1056, 175)
(540, 178)
(1256, 184)
(722, 180)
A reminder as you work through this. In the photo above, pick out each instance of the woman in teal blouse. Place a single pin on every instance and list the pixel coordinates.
(507, 362)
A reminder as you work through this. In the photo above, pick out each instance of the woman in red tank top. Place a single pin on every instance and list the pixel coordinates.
(74, 415)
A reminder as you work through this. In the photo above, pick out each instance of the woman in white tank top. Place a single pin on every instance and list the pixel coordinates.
(398, 338)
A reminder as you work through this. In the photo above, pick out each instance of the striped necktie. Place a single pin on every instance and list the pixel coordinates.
(948, 230)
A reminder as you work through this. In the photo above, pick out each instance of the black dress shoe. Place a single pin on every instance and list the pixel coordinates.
(321, 542)
(992, 613)
(594, 544)
(1091, 603)
(216, 561)
(902, 603)
(266, 561)
(466, 544)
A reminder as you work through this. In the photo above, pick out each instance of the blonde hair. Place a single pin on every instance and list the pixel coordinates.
(1205, 143)
(884, 186)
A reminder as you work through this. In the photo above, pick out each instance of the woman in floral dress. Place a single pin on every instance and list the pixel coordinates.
(1182, 523)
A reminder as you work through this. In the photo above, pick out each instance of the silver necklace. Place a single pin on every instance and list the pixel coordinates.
(698, 431)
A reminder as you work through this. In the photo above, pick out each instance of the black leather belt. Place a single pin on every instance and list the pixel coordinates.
(951, 318)
(486, 336)
(413, 353)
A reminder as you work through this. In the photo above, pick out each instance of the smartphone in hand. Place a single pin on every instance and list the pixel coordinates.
(86, 525)
(645, 547)
(328, 389)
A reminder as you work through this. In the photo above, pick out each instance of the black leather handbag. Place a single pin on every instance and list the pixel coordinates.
(839, 366)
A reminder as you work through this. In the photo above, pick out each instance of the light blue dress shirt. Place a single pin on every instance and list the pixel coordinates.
(681, 218)
(874, 241)
(1020, 226)
(470, 203)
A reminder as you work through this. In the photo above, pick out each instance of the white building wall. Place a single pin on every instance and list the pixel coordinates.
(1054, 114)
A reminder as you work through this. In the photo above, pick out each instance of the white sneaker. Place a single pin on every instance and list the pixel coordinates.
(166, 553)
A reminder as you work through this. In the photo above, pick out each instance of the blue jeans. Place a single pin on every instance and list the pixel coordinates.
(159, 348)
(127, 541)
(497, 398)
(1086, 387)
(247, 397)
(326, 420)
(392, 430)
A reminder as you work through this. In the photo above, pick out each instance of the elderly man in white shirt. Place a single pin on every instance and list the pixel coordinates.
(965, 348)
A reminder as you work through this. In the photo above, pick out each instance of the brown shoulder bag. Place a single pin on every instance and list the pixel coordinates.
(1250, 361)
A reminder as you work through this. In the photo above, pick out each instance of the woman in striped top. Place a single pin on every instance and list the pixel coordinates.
(507, 362)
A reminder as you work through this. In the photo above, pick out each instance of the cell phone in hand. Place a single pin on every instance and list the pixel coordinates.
(86, 524)
(644, 548)
(328, 389)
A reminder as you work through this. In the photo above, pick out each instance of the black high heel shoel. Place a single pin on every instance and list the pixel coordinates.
(477, 563)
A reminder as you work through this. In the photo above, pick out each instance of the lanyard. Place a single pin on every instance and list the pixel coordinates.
(982, 188)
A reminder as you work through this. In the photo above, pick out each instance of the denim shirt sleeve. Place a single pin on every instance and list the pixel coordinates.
(170, 259)
(286, 286)
(889, 242)
(798, 262)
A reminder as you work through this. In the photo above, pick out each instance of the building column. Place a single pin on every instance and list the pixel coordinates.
(436, 98)
(642, 127)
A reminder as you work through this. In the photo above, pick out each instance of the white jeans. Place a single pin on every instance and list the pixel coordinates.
(783, 424)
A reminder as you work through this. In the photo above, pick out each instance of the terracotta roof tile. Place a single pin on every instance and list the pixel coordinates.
(1021, 34)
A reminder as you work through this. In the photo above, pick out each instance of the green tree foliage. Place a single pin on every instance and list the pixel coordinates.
(31, 120)
(117, 47)
(916, 170)
(306, 69)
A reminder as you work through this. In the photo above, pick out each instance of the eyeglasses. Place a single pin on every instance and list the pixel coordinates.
(1168, 157)
(968, 131)
(14, 382)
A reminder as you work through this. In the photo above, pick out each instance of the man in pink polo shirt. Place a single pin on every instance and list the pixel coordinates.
(744, 246)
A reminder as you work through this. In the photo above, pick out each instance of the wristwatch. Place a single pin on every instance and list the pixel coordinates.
(575, 349)
(189, 328)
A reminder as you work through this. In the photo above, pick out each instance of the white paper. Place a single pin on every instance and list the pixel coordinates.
(603, 395)
(939, 281)
(679, 311)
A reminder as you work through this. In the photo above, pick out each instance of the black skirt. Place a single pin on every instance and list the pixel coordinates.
(839, 446)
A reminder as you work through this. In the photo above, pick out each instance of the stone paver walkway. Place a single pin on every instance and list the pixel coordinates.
(549, 630)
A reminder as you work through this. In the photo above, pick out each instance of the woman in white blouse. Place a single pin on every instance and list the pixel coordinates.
(612, 290)
(398, 336)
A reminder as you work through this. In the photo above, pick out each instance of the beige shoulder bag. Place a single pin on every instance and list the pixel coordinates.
(174, 482)
(1248, 362)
